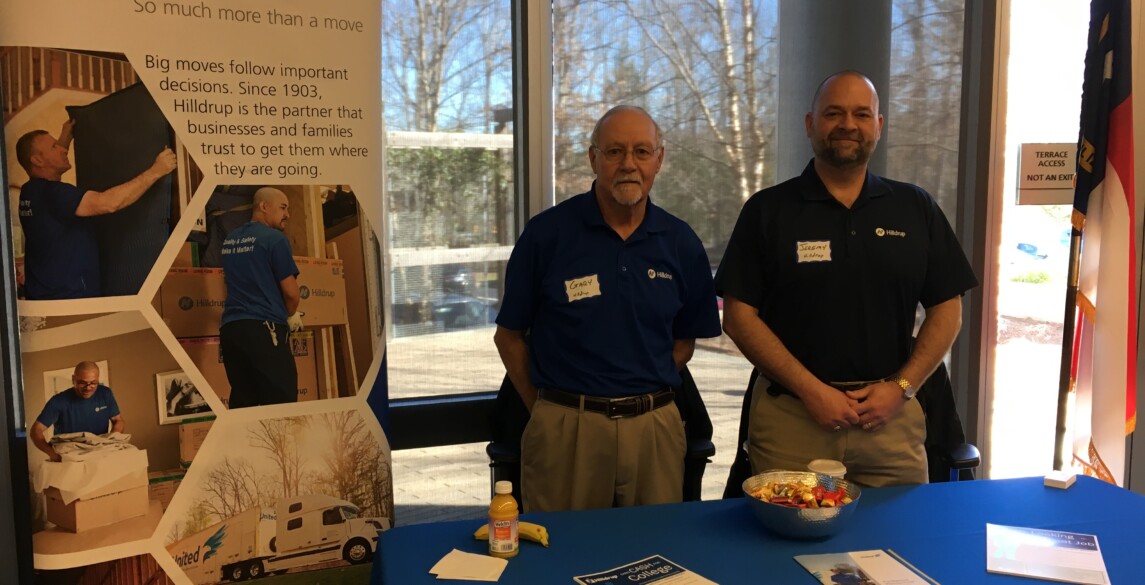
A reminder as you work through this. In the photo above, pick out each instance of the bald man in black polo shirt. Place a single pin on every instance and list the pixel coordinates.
(821, 282)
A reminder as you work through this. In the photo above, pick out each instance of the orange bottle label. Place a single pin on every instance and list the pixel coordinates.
(503, 535)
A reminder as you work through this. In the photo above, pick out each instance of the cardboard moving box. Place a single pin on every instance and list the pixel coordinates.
(86, 514)
(163, 484)
(134, 479)
(192, 433)
(322, 286)
(191, 300)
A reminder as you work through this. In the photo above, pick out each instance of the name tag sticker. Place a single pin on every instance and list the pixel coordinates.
(814, 251)
(582, 288)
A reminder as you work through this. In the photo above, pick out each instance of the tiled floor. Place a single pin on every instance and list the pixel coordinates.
(452, 483)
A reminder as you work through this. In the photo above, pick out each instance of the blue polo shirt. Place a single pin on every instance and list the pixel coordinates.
(69, 413)
(256, 258)
(603, 313)
(838, 286)
(61, 254)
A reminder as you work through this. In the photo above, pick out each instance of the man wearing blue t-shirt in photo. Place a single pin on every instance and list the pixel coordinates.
(89, 407)
(261, 307)
(61, 255)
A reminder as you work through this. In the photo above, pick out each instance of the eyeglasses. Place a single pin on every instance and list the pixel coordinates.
(83, 384)
(617, 154)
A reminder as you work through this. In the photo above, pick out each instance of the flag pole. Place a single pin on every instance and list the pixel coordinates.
(1069, 322)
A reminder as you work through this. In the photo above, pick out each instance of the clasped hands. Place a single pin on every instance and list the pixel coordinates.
(868, 408)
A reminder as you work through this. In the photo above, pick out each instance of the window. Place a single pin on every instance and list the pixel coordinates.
(707, 72)
(294, 524)
(1043, 100)
(447, 97)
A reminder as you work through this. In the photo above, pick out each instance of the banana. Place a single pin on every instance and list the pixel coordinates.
(533, 532)
(525, 531)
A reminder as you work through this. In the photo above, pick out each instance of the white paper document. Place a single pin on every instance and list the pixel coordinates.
(652, 570)
(1053, 555)
(469, 567)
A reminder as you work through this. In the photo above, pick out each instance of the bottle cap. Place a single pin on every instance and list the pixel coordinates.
(503, 487)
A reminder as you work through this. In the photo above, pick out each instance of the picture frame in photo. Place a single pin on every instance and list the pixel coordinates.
(177, 398)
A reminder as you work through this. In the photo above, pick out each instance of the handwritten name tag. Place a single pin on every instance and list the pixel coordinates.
(813, 251)
(582, 288)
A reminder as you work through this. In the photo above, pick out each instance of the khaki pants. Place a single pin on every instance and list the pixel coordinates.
(783, 435)
(573, 459)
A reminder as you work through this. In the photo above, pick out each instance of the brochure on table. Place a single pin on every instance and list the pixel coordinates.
(868, 567)
(1053, 555)
(655, 569)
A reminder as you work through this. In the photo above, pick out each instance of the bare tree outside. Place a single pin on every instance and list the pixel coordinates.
(925, 96)
(705, 70)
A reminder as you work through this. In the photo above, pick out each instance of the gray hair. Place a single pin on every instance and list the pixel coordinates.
(594, 139)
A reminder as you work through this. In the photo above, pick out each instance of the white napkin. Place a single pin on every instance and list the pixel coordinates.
(469, 567)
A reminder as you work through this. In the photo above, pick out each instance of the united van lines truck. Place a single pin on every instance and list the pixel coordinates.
(299, 531)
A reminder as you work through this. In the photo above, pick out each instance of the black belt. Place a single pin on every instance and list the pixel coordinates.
(775, 389)
(628, 406)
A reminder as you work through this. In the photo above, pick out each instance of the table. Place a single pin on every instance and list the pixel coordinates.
(939, 528)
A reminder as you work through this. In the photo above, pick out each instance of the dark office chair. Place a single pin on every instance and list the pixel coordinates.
(949, 456)
(507, 423)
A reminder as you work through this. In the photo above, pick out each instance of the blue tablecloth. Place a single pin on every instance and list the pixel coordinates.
(939, 528)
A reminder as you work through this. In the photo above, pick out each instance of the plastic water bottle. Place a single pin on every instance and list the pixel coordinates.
(503, 515)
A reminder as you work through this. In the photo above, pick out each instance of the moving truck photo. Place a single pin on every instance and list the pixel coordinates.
(298, 531)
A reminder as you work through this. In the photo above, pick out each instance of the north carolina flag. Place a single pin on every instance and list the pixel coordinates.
(1105, 347)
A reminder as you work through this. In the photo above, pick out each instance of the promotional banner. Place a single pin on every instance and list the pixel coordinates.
(195, 192)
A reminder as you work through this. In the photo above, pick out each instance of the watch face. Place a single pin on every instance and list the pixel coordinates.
(908, 391)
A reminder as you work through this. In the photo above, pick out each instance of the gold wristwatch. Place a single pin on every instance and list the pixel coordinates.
(908, 389)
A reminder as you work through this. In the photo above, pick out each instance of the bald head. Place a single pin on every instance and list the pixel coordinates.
(844, 124)
(271, 208)
(835, 76)
(85, 379)
(84, 367)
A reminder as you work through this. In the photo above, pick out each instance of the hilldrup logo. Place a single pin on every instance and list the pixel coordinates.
(186, 303)
(304, 292)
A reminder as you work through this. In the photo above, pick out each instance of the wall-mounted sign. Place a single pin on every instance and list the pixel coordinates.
(1045, 173)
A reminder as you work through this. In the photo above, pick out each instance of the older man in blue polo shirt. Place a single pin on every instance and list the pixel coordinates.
(821, 281)
(88, 407)
(613, 292)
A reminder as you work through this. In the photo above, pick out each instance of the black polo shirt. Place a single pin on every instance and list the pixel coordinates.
(840, 286)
